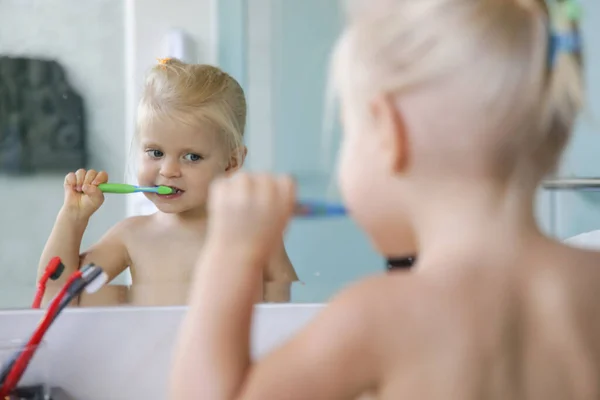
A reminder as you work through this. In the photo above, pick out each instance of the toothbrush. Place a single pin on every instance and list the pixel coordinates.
(124, 188)
(319, 209)
(308, 208)
(89, 278)
(53, 271)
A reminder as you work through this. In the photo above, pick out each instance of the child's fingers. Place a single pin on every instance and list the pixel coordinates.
(90, 175)
(80, 175)
(102, 177)
(70, 180)
(91, 190)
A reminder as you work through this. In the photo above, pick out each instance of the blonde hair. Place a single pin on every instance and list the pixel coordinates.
(194, 94)
(394, 46)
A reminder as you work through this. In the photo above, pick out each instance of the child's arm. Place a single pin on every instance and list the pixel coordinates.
(212, 356)
(327, 361)
(82, 200)
(64, 242)
(110, 253)
(279, 276)
(107, 296)
(331, 359)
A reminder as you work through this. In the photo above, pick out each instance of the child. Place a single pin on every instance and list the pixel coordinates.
(191, 120)
(453, 112)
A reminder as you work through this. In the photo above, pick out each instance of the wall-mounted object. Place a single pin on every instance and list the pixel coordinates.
(584, 184)
(178, 44)
(42, 120)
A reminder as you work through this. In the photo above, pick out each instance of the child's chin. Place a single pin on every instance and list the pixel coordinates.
(171, 208)
(175, 208)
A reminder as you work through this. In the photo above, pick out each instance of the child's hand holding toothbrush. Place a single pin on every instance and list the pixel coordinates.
(82, 199)
(249, 213)
(82, 195)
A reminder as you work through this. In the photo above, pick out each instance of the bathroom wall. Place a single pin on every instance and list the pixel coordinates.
(578, 212)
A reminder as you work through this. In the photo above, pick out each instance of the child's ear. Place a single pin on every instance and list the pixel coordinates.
(237, 160)
(390, 127)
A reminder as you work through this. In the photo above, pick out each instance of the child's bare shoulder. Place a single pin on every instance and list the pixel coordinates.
(572, 270)
(571, 274)
(131, 227)
(401, 299)
(386, 321)
(138, 221)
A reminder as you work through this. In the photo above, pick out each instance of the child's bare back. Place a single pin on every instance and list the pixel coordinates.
(522, 327)
(521, 330)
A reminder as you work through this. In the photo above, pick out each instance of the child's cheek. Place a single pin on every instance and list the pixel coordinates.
(146, 173)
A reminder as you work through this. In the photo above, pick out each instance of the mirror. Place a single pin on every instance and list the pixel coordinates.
(72, 73)
(71, 76)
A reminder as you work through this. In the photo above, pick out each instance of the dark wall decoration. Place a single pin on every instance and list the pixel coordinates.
(42, 119)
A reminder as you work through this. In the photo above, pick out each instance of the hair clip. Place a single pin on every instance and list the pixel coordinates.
(568, 42)
(563, 37)
(164, 61)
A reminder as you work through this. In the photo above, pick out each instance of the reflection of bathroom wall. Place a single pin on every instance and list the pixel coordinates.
(87, 39)
(329, 253)
(287, 55)
(259, 39)
(578, 212)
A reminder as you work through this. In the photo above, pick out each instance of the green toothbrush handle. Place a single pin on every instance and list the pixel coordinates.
(117, 188)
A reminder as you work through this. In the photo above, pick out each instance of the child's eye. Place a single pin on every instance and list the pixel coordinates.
(154, 153)
(193, 157)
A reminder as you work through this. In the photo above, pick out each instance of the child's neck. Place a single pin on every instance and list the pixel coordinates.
(474, 221)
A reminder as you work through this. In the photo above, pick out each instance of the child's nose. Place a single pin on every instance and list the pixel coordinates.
(170, 169)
